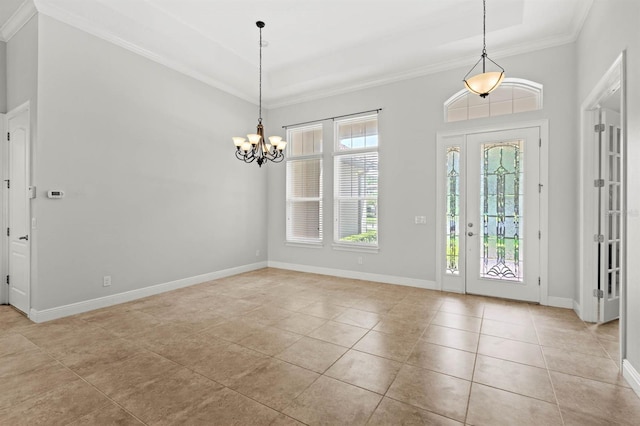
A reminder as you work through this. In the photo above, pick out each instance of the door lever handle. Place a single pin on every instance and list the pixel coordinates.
(25, 237)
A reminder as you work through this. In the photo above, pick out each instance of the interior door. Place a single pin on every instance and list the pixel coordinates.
(18, 211)
(609, 239)
(502, 226)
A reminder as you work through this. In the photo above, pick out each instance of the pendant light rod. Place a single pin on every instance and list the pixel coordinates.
(486, 82)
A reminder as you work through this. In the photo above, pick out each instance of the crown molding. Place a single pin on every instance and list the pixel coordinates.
(84, 25)
(21, 16)
(420, 72)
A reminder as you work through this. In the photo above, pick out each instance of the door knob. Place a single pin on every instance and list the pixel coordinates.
(25, 237)
(470, 234)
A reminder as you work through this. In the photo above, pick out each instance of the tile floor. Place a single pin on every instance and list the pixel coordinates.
(284, 348)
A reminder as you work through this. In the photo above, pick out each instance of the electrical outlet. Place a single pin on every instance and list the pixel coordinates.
(106, 281)
(421, 220)
(359, 260)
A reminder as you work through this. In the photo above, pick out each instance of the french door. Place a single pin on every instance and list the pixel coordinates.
(609, 240)
(490, 231)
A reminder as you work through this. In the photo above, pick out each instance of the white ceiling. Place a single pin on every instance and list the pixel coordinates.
(317, 47)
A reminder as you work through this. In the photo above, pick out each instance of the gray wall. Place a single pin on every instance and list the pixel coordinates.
(22, 67)
(413, 113)
(3, 77)
(144, 154)
(598, 46)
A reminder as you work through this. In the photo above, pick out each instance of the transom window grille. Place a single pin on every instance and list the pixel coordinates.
(513, 96)
(304, 184)
(356, 181)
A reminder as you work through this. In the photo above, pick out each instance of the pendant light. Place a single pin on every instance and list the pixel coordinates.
(486, 82)
(256, 149)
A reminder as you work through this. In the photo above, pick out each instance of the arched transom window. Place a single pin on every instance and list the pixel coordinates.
(514, 95)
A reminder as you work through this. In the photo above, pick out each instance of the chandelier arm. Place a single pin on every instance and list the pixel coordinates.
(473, 67)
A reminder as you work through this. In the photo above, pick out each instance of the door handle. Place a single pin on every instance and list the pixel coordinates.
(25, 237)
(470, 234)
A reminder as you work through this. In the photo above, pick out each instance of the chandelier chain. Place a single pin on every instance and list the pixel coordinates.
(260, 91)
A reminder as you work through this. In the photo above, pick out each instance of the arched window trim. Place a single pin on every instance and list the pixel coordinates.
(513, 82)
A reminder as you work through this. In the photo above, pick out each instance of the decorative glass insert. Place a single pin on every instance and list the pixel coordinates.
(501, 206)
(453, 209)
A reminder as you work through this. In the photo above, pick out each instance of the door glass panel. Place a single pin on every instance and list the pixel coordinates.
(453, 209)
(501, 195)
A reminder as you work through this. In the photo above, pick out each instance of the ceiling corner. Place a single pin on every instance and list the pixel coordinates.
(21, 16)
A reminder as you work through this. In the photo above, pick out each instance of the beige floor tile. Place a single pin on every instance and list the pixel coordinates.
(461, 322)
(33, 383)
(338, 333)
(227, 407)
(494, 407)
(161, 400)
(572, 418)
(511, 350)
(266, 315)
(442, 359)
(391, 412)
(453, 338)
(358, 318)
(599, 399)
(513, 377)
(84, 360)
(587, 366)
(270, 340)
(613, 350)
(59, 406)
(574, 341)
(312, 354)
(108, 415)
(402, 327)
(13, 343)
(514, 314)
(233, 330)
(119, 379)
(323, 310)
(463, 308)
(608, 331)
(411, 312)
(300, 323)
(275, 383)
(227, 363)
(439, 393)
(364, 370)
(324, 403)
(392, 346)
(284, 420)
(379, 306)
(523, 333)
(20, 363)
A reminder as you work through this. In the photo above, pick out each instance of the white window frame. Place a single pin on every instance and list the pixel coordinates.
(290, 158)
(337, 154)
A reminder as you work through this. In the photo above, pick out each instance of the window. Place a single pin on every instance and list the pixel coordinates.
(356, 182)
(304, 185)
(514, 95)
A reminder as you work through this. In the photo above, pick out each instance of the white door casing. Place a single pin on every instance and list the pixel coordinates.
(19, 246)
(534, 217)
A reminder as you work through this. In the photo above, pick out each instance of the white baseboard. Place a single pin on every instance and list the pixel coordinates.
(560, 302)
(577, 308)
(632, 375)
(127, 296)
(366, 276)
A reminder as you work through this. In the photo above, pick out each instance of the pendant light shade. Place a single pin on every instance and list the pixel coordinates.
(487, 81)
(256, 148)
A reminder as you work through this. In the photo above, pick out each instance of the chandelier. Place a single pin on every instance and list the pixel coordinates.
(486, 82)
(256, 149)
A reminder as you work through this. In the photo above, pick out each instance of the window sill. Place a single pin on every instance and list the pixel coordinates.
(355, 248)
(303, 245)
